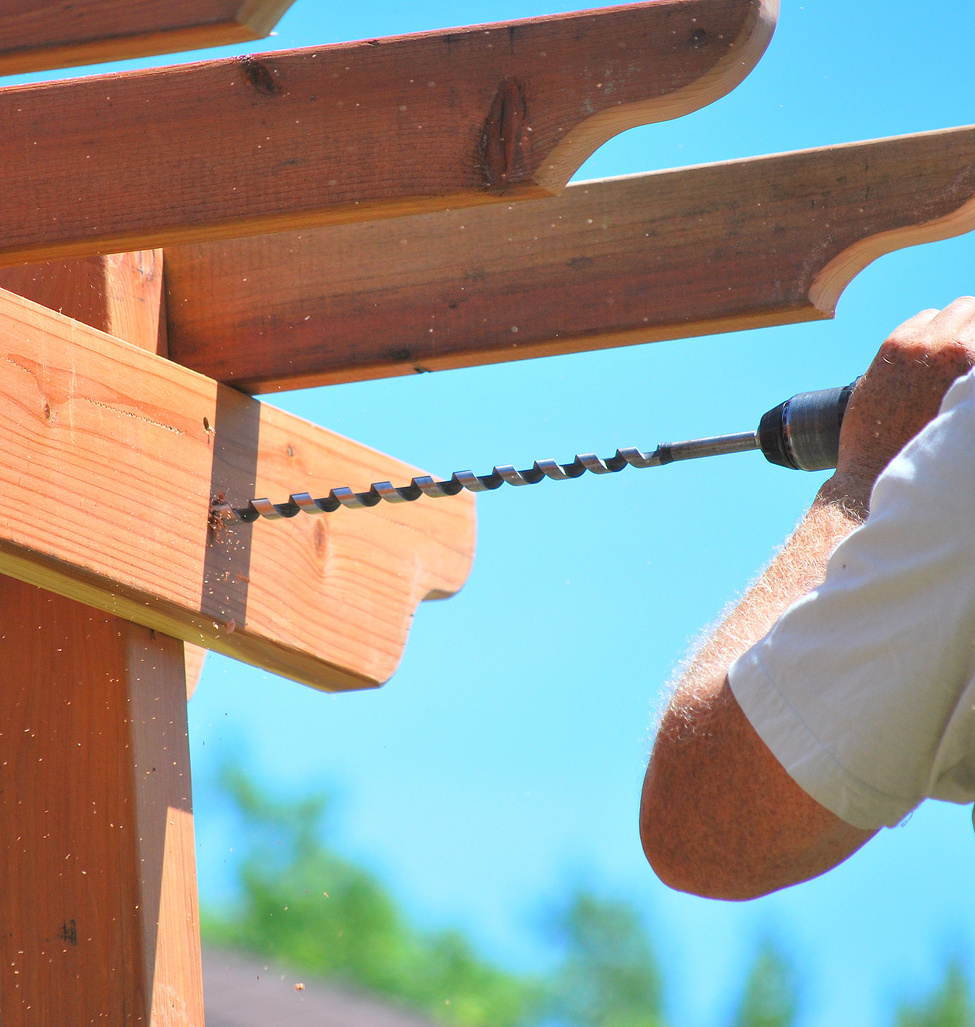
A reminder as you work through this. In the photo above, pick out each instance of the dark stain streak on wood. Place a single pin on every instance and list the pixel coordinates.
(260, 76)
(505, 140)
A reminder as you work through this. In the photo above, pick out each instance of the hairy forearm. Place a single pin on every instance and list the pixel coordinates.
(720, 817)
(798, 568)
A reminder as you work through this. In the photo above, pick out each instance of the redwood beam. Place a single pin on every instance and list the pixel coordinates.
(724, 247)
(343, 133)
(38, 35)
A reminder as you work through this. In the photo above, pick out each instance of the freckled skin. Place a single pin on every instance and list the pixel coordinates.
(719, 814)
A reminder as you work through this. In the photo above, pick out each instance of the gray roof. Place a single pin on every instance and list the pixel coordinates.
(243, 991)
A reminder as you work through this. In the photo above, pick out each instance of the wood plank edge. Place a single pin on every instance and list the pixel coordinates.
(829, 283)
(254, 20)
(546, 348)
(726, 75)
(101, 593)
(260, 16)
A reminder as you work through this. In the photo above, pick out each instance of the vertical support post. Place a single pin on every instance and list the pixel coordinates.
(98, 904)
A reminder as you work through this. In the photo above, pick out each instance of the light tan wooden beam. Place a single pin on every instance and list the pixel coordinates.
(37, 35)
(119, 294)
(717, 248)
(110, 458)
(342, 133)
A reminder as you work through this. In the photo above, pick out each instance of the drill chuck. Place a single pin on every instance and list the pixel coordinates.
(804, 432)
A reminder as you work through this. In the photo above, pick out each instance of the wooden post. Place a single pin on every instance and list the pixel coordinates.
(98, 900)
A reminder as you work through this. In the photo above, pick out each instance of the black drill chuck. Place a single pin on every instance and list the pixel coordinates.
(804, 432)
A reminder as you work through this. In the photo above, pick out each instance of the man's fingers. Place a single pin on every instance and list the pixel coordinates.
(903, 387)
(916, 325)
(956, 323)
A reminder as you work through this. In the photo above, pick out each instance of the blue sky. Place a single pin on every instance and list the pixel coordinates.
(502, 763)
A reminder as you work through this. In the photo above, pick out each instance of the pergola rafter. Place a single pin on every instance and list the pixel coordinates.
(354, 131)
(746, 244)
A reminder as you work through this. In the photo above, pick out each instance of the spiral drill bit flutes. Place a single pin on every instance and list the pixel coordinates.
(803, 433)
(425, 485)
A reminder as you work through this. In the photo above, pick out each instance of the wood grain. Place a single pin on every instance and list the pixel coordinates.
(110, 459)
(119, 294)
(717, 248)
(116, 691)
(342, 133)
(38, 35)
(96, 836)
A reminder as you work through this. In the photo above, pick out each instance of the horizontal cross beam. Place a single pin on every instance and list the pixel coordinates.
(38, 36)
(342, 133)
(723, 247)
(111, 456)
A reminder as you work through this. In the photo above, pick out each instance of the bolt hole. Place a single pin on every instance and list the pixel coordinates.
(699, 38)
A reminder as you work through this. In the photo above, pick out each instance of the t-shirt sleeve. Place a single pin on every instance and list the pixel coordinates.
(864, 690)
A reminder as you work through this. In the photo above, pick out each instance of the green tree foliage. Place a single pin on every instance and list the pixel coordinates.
(608, 976)
(308, 908)
(770, 997)
(949, 1006)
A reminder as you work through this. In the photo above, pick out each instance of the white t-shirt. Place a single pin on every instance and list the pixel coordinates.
(865, 689)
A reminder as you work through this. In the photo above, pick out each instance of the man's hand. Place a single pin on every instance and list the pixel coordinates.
(900, 392)
(720, 816)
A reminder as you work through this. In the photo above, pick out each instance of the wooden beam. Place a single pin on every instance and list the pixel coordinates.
(119, 294)
(38, 35)
(110, 459)
(99, 900)
(709, 249)
(353, 131)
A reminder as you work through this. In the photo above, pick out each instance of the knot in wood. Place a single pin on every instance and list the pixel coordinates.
(506, 139)
(260, 76)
